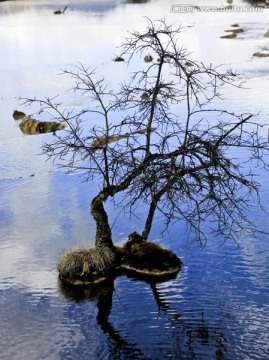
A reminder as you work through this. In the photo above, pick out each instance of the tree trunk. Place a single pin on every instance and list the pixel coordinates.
(103, 231)
(149, 220)
(153, 206)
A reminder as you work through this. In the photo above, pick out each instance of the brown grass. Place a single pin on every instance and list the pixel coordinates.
(84, 261)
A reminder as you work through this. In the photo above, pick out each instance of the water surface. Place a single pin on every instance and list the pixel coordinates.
(218, 306)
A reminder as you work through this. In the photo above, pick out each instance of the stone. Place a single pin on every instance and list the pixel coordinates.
(148, 58)
(18, 115)
(118, 59)
(229, 36)
(235, 31)
(260, 54)
(148, 259)
(33, 127)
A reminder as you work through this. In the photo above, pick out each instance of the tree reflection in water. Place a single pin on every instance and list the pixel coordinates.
(103, 294)
(190, 333)
(185, 338)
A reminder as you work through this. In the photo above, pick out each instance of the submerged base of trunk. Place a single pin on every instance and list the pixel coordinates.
(136, 258)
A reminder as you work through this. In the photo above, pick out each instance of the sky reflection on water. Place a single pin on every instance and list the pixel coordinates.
(217, 307)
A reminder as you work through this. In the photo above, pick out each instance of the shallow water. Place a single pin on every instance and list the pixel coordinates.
(218, 305)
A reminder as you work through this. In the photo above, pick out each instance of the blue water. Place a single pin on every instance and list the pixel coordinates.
(218, 305)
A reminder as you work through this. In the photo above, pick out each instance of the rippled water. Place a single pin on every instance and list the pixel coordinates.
(218, 305)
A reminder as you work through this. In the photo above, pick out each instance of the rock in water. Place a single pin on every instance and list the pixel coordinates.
(229, 36)
(33, 127)
(18, 115)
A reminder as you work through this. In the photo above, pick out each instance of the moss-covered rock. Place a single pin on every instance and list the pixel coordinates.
(118, 59)
(33, 127)
(188, 63)
(148, 58)
(134, 240)
(59, 12)
(229, 36)
(151, 259)
(147, 258)
(235, 31)
(144, 96)
(18, 115)
(261, 54)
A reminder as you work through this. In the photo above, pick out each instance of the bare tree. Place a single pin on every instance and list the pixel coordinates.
(170, 146)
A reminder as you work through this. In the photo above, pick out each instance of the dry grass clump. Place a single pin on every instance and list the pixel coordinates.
(82, 262)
